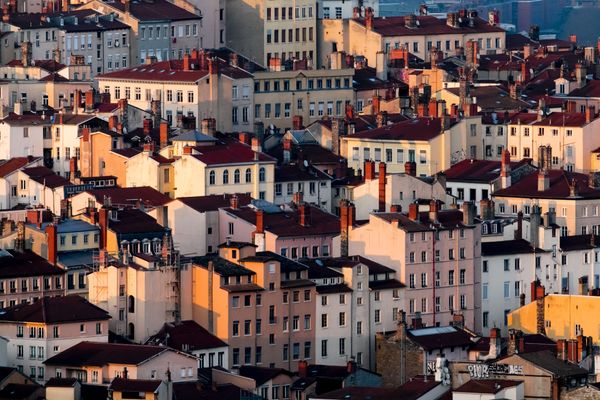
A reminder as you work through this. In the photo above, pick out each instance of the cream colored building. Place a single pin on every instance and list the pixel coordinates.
(232, 167)
(262, 30)
(311, 94)
(193, 87)
(148, 168)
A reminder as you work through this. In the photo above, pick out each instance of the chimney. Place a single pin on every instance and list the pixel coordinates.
(72, 168)
(51, 243)
(486, 207)
(468, 210)
(337, 131)
(369, 170)
(382, 180)
(524, 71)
(147, 126)
(395, 208)
(297, 122)
(417, 321)
(382, 119)
(287, 151)
(213, 66)
(26, 54)
(155, 107)
(148, 147)
(519, 231)
(495, 343)
(573, 38)
(433, 108)
(543, 181)
(413, 211)
(256, 145)
(113, 120)
(234, 202)
(298, 198)
(514, 336)
(302, 368)
(458, 321)
(187, 150)
(410, 168)
(537, 290)
(304, 214)
(260, 221)
(381, 66)
(103, 222)
(369, 18)
(561, 349)
(572, 351)
(347, 213)
(89, 100)
(186, 62)
(590, 114)
(376, 105)
(433, 210)
(535, 217)
(351, 366)
(505, 170)
(164, 134)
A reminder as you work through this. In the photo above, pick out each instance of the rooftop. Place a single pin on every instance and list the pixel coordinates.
(45, 176)
(147, 195)
(100, 354)
(15, 264)
(579, 242)
(440, 337)
(213, 202)
(506, 247)
(9, 166)
(222, 266)
(229, 152)
(133, 220)
(559, 188)
(135, 385)
(54, 310)
(489, 386)
(418, 129)
(186, 336)
(481, 171)
(262, 375)
(156, 10)
(548, 361)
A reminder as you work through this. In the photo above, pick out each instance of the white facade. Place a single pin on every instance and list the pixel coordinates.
(34, 193)
(317, 192)
(20, 140)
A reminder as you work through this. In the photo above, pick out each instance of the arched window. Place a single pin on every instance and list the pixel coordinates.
(146, 246)
(236, 176)
(131, 330)
(261, 174)
(248, 175)
(211, 178)
(131, 304)
(225, 177)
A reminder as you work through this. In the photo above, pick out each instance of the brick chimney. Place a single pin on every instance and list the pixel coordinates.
(113, 120)
(376, 104)
(260, 221)
(72, 168)
(410, 168)
(164, 134)
(304, 214)
(505, 169)
(369, 170)
(468, 210)
(561, 349)
(287, 151)
(486, 207)
(382, 180)
(347, 215)
(213, 66)
(302, 368)
(89, 100)
(234, 202)
(395, 208)
(103, 222)
(417, 321)
(297, 122)
(186, 62)
(369, 18)
(413, 211)
(590, 114)
(51, 243)
(433, 108)
(495, 343)
(147, 126)
(433, 210)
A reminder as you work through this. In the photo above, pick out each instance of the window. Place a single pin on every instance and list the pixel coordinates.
(342, 319)
(377, 316)
(506, 290)
(324, 348)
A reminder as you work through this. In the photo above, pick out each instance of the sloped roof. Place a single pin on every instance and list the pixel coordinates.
(100, 354)
(560, 187)
(12, 165)
(53, 310)
(186, 333)
(130, 195)
(213, 202)
(135, 385)
(418, 129)
(46, 177)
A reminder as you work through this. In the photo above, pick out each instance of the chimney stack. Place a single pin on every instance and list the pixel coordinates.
(486, 209)
(164, 134)
(304, 214)
(369, 170)
(382, 181)
(287, 151)
(260, 221)
(433, 210)
(468, 210)
(103, 222)
(347, 215)
(234, 202)
(413, 211)
(505, 170)
(51, 243)
(410, 168)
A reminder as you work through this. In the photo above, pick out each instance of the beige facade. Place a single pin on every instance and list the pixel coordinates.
(311, 94)
(262, 30)
(148, 169)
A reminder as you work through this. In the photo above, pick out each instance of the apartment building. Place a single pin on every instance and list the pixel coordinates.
(368, 34)
(433, 253)
(314, 185)
(48, 326)
(22, 135)
(264, 30)
(567, 138)
(260, 303)
(198, 86)
(9, 172)
(149, 168)
(159, 29)
(342, 9)
(280, 96)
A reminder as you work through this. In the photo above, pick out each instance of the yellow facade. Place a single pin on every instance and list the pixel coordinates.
(562, 315)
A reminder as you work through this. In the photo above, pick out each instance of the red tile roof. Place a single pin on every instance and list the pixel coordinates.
(419, 129)
(286, 223)
(155, 10)
(46, 177)
(427, 25)
(16, 264)
(12, 165)
(27, 119)
(214, 202)
(229, 152)
(100, 354)
(560, 187)
(592, 89)
(558, 119)
(488, 386)
(483, 171)
(130, 196)
(493, 98)
(48, 65)
(186, 336)
(128, 152)
(55, 310)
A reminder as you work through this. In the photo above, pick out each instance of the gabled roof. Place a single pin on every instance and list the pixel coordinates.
(54, 310)
(560, 187)
(46, 177)
(440, 337)
(46, 65)
(127, 152)
(9, 166)
(135, 385)
(481, 171)
(100, 354)
(579, 242)
(506, 247)
(157, 10)
(26, 119)
(294, 173)
(213, 202)
(186, 336)
(222, 266)
(15, 264)
(130, 196)
(262, 375)
(488, 386)
(133, 220)
(418, 129)
(490, 98)
(229, 152)
(548, 361)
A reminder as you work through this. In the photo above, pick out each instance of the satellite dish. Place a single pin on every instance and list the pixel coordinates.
(306, 163)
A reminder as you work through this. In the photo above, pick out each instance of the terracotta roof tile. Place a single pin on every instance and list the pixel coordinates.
(560, 187)
(100, 354)
(54, 310)
(12, 165)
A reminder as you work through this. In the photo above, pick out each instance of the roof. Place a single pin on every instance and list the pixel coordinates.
(127, 152)
(186, 336)
(133, 220)
(156, 10)
(194, 391)
(493, 98)
(213, 202)
(338, 288)
(135, 385)
(560, 187)
(506, 247)
(363, 393)
(193, 136)
(14, 264)
(548, 361)
(386, 284)
(229, 152)
(262, 375)
(232, 244)
(294, 173)
(557, 119)
(482, 171)
(579, 242)
(9, 166)
(5, 372)
(54, 310)
(46, 177)
(18, 391)
(61, 382)
(26, 119)
(130, 195)
(222, 266)
(427, 25)
(446, 219)
(591, 89)
(286, 223)
(489, 386)
(100, 354)
(47, 65)
(440, 337)
(418, 129)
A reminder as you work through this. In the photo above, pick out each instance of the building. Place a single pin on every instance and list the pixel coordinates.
(149, 168)
(195, 87)
(226, 167)
(433, 253)
(260, 303)
(23, 135)
(279, 31)
(368, 34)
(40, 186)
(300, 231)
(314, 185)
(48, 326)
(9, 178)
(305, 95)
(269, 382)
(100, 363)
(189, 337)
